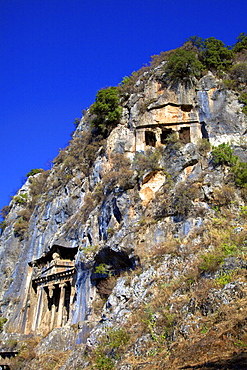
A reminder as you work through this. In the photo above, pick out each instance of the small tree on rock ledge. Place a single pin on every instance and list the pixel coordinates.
(107, 110)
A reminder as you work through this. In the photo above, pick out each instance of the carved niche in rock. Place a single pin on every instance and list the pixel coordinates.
(52, 290)
(161, 121)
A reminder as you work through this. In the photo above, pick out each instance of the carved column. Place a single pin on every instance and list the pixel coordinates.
(61, 305)
(53, 307)
(72, 294)
(140, 139)
(39, 308)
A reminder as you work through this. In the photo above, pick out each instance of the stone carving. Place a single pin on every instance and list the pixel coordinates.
(52, 290)
(181, 119)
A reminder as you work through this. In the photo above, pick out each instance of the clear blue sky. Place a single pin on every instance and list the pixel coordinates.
(56, 54)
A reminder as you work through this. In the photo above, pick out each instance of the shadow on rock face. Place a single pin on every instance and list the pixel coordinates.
(236, 362)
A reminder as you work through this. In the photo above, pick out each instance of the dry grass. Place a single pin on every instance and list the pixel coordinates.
(218, 341)
(52, 360)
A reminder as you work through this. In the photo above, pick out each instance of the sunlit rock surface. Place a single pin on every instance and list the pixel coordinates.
(100, 245)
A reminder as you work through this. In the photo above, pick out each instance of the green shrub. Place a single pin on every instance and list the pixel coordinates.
(34, 171)
(224, 195)
(3, 320)
(173, 139)
(110, 231)
(240, 172)
(215, 55)
(224, 278)
(211, 262)
(196, 41)
(39, 184)
(241, 43)
(243, 99)
(21, 199)
(102, 269)
(243, 212)
(106, 110)
(112, 345)
(228, 249)
(223, 154)
(182, 65)
(102, 361)
(76, 122)
(117, 337)
(88, 206)
(204, 329)
(125, 80)
(3, 225)
(229, 84)
(4, 211)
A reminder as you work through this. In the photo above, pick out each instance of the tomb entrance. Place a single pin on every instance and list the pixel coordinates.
(52, 289)
(166, 132)
(184, 135)
(150, 138)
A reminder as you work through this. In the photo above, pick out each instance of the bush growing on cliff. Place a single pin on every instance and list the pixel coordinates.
(107, 110)
(223, 154)
(121, 174)
(149, 161)
(239, 73)
(20, 227)
(3, 214)
(243, 99)
(182, 65)
(215, 55)
(4, 211)
(112, 346)
(241, 43)
(21, 199)
(240, 172)
(2, 322)
(184, 197)
(34, 171)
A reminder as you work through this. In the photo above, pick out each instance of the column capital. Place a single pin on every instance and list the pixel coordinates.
(63, 285)
(50, 290)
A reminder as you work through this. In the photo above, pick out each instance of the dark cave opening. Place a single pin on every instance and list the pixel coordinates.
(204, 130)
(109, 265)
(165, 134)
(150, 138)
(184, 135)
(186, 107)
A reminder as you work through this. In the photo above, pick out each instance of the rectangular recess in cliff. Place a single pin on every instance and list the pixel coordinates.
(150, 138)
(165, 134)
(184, 135)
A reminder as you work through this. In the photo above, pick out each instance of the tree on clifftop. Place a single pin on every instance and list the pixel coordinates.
(182, 65)
(215, 55)
(241, 43)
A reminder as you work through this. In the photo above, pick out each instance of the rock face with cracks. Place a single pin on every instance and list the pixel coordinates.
(125, 257)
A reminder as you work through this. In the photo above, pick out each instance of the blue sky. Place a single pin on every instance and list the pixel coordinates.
(56, 54)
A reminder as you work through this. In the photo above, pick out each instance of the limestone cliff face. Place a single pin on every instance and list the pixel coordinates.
(69, 261)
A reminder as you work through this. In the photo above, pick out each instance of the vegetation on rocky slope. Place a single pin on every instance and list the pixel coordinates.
(179, 302)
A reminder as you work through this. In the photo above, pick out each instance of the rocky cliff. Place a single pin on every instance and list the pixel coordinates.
(130, 253)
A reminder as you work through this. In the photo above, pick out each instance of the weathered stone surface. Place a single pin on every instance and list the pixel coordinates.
(148, 225)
